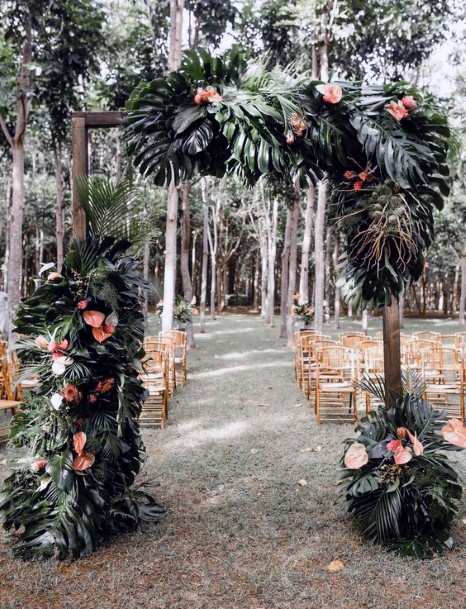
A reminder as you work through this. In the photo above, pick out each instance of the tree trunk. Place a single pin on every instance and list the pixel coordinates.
(402, 309)
(284, 275)
(205, 256)
(293, 268)
(337, 301)
(59, 211)
(319, 259)
(169, 277)
(176, 33)
(272, 258)
(462, 307)
(145, 275)
(364, 320)
(185, 251)
(169, 282)
(264, 276)
(306, 247)
(255, 287)
(392, 353)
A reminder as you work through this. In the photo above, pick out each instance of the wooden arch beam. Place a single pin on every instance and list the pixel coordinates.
(81, 122)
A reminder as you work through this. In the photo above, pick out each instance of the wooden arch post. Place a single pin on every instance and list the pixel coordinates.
(392, 352)
(81, 122)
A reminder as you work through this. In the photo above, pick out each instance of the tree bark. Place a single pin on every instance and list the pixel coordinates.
(205, 255)
(292, 269)
(319, 259)
(306, 247)
(185, 251)
(284, 275)
(392, 353)
(272, 258)
(176, 33)
(169, 276)
(255, 286)
(59, 211)
(463, 290)
(337, 301)
(264, 276)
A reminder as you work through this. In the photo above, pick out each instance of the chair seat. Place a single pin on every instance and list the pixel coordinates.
(7, 404)
(335, 387)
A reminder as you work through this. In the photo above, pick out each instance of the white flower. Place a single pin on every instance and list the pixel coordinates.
(60, 364)
(56, 400)
(112, 319)
(44, 483)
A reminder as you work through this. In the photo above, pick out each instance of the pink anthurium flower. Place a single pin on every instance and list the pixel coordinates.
(409, 102)
(331, 94)
(94, 318)
(102, 333)
(356, 456)
(403, 455)
(418, 448)
(455, 433)
(38, 464)
(79, 441)
(83, 461)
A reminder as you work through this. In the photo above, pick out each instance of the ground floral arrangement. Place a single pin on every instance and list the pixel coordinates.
(397, 481)
(303, 313)
(78, 435)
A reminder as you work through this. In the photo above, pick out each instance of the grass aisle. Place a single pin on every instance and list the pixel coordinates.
(241, 531)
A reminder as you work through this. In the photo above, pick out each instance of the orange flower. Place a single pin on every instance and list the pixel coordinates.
(332, 94)
(209, 94)
(357, 185)
(397, 110)
(298, 124)
(409, 102)
(71, 393)
(79, 441)
(105, 385)
(102, 333)
(349, 175)
(94, 318)
(401, 433)
(363, 176)
(393, 445)
(54, 346)
(83, 461)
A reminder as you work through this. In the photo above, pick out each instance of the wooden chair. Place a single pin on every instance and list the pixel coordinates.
(354, 341)
(179, 348)
(320, 342)
(373, 366)
(14, 384)
(167, 345)
(446, 388)
(155, 379)
(335, 377)
(303, 359)
(427, 335)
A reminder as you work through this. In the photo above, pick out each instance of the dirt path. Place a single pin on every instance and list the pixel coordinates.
(241, 532)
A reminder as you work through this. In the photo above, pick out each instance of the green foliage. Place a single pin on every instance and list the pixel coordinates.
(64, 508)
(113, 209)
(222, 114)
(409, 506)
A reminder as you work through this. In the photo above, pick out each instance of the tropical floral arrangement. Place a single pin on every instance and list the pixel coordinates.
(397, 481)
(383, 149)
(183, 310)
(76, 443)
(303, 312)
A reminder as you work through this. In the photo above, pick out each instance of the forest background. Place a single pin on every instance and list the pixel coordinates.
(235, 246)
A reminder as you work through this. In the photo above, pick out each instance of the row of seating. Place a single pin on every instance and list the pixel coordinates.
(329, 371)
(164, 369)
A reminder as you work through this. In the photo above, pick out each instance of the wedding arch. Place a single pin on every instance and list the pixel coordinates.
(383, 151)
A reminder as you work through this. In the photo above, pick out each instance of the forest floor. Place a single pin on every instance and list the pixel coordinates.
(242, 530)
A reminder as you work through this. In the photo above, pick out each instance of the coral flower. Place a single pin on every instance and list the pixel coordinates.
(357, 185)
(455, 433)
(402, 455)
(397, 110)
(393, 445)
(71, 393)
(94, 318)
(82, 304)
(209, 94)
(105, 385)
(38, 464)
(298, 124)
(356, 456)
(332, 94)
(79, 441)
(363, 176)
(349, 175)
(401, 433)
(409, 102)
(83, 461)
(92, 398)
(290, 139)
(418, 448)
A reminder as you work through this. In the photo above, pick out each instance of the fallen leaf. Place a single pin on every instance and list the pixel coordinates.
(263, 404)
(335, 565)
(302, 482)
(298, 405)
(253, 451)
